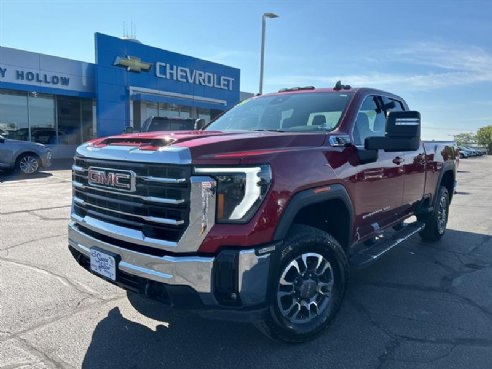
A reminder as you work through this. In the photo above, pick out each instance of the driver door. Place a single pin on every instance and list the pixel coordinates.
(378, 184)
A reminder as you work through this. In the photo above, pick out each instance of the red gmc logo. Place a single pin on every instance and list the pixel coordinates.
(119, 180)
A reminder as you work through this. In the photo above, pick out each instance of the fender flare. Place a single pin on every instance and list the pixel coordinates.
(446, 167)
(313, 196)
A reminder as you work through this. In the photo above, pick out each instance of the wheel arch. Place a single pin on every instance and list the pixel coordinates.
(328, 208)
(23, 153)
(447, 180)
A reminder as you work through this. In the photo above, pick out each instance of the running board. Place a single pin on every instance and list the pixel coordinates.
(367, 256)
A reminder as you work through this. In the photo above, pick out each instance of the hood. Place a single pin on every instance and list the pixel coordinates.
(214, 145)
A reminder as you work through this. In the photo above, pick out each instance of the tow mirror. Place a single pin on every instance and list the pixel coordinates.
(199, 124)
(402, 133)
(403, 124)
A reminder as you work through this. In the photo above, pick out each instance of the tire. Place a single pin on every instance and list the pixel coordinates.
(436, 221)
(308, 286)
(28, 164)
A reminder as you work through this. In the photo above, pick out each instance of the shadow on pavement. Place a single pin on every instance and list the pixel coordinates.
(61, 164)
(180, 339)
(6, 176)
(12, 175)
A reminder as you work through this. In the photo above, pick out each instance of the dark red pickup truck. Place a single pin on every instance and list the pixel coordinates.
(261, 215)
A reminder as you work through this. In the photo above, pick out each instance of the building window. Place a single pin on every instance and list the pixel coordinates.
(14, 120)
(185, 111)
(168, 110)
(42, 118)
(204, 114)
(152, 110)
(87, 120)
(69, 117)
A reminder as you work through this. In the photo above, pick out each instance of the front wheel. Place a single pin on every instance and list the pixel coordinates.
(308, 287)
(28, 164)
(436, 221)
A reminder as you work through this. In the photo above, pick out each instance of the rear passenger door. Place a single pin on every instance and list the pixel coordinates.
(378, 185)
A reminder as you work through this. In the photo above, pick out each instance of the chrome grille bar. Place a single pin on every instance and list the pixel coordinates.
(162, 180)
(122, 233)
(80, 169)
(144, 217)
(159, 200)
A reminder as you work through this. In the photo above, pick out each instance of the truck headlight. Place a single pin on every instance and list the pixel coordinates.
(240, 191)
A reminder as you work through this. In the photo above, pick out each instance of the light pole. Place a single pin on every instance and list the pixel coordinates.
(262, 63)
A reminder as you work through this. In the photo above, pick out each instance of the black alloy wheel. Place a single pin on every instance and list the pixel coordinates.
(309, 286)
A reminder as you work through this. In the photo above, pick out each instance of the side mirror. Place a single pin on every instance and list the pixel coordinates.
(2, 139)
(199, 124)
(402, 133)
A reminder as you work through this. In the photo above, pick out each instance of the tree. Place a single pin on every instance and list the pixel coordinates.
(484, 137)
(463, 139)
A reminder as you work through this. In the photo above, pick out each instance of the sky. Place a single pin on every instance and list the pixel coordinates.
(436, 54)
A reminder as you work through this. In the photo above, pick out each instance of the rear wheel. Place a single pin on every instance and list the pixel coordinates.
(28, 164)
(436, 221)
(309, 286)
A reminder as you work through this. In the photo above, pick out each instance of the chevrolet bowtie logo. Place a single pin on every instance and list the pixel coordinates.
(132, 63)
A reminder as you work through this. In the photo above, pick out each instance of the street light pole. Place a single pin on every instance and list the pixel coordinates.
(262, 62)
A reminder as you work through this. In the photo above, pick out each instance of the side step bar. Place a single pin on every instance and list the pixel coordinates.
(368, 255)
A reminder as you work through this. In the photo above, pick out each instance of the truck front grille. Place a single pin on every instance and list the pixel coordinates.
(159, 207)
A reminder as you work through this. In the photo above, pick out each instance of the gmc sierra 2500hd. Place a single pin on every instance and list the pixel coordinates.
(260, 215)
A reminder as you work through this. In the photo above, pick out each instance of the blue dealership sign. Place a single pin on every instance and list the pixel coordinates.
(128, 71)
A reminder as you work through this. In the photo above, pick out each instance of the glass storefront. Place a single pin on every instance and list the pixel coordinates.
(47, 119)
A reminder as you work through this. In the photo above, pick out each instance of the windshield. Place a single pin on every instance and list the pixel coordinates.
(319, 111)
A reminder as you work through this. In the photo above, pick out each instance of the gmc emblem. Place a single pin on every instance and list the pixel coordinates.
(122, 180)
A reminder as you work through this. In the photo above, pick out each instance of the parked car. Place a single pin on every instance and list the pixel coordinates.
(475, 151)
(23, 156)
(46, 136)
(464, 153)
(153, 124)
(470, 151)
(260, 215)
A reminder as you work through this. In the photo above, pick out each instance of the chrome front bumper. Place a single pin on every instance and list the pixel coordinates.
(196, 272)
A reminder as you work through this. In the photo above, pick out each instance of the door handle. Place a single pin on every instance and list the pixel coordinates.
(398, 160)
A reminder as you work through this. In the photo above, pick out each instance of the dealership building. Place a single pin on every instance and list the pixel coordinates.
(62, 103)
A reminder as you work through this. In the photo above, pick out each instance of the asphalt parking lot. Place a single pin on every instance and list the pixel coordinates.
(423, 306)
